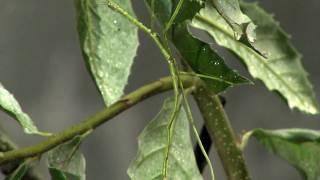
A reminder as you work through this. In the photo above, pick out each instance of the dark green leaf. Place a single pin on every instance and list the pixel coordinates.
(22, 169)
(153, 143)
(66, 162)
(281, 70)
(10, 105)
(300, 147)
(109, 44)
(201, 58)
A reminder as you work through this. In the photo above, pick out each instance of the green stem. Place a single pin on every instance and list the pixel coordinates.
(98, 119)
(222, 134)
(7, 144)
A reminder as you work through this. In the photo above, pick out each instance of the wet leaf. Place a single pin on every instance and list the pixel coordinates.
(300, 147)
(109, 43)
(281, 70)
(153, 143)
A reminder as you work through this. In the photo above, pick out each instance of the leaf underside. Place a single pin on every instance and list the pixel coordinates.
(66, 162)
(109, 44)
(153, 143)
(231, 12)
(280, 70)
(300, 147)
(9, 104)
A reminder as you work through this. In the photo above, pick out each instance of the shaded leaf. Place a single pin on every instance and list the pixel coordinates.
(200, 57)
(300, 147)
(281, 70)
(66, 162)
(21, 171)
(153, 144)
(10, 105)
(109, 44)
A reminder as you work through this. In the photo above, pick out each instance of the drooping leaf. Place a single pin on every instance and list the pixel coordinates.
(21, 170)
(65, 162)
(153, 143)
(231, 12)
(10, 105)
(200, 57)
(109, 44)
(300, 147)
(281, 70)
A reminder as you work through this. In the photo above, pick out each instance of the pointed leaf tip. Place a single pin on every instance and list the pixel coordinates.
(280, 71)
(10, 105)
(109, 44)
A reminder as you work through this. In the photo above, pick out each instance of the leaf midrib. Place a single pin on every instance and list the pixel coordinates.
(205, 20)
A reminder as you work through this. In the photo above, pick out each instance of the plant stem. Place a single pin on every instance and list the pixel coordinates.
(98, 119)
(220, 130)
(207, 142)
(7, 144)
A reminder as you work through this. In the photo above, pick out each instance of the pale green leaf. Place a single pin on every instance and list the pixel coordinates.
(10, 105)
(150, 158)
(231, 12)
(281, 70)
(65, 162)
(109, 44)
(300, 147)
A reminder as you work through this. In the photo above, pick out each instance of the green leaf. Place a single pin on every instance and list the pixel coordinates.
(10, 105)
(66, 162)
(200, 57)
(153, 143)
(21, 170)
(203, 60)
(231, 12)
(281, 70)
(300, 147)
(109, 44)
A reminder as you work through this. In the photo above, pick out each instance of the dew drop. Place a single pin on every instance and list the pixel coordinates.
(100, 74)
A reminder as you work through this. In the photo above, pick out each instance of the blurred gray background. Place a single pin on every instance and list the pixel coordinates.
(41, 63)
